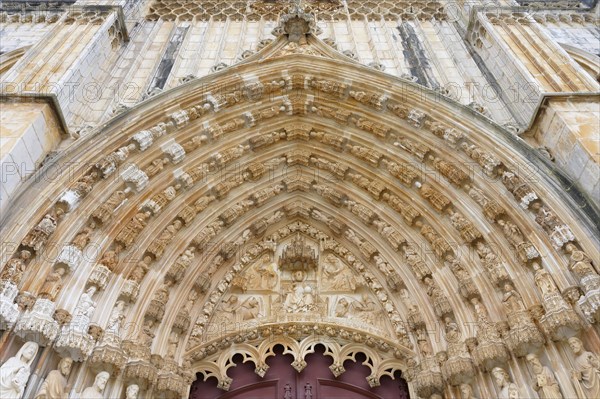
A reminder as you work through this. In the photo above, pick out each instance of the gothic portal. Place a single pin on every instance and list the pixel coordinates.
(299, 199)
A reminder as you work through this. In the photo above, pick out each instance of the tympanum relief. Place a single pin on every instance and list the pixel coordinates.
(299, 281)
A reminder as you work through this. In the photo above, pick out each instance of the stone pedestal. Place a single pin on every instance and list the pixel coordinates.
(560, 321)
(70, 256)
(590, 301)
(74, 343)
(109, 354)
(38, 324)
(9, 311)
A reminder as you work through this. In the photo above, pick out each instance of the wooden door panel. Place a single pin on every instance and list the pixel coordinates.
(261, 390)
(328, 389)
(316, 381)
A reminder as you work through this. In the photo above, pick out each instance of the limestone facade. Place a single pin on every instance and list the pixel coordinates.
(183, 181)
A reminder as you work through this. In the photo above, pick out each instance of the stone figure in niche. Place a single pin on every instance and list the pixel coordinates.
(116, 318)
(110, 258)
(82, 239)
(53, 284)
(466, 392)
(512, 300)
(579, 262)
(84, 309)
(106, 210)
(506, 388)
(230, 306)
(586, 372)
(132, 392)
(173, 342)
(95, 391)
(544, 280)
(511, 231)
(336, 276)
(55, 385)
(147, 334)
(15, 372)
(365, 309)
(14, 269)
(545, 382)
(423, 343)
(192, 296)
(40, 233)
(141, 269)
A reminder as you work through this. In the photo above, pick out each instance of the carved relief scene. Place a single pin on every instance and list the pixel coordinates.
(298, 282)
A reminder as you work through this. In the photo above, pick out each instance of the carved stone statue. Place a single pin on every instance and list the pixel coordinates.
(491, 209)
(506, 388)
(132, 229)
(132, 392)
(53, 284)
(84, 310)
(466, 392)
(586, 373)
(105, 211)
(458, 367)
(14, 269)
(495, 267)
(545, 382)
(116, 318)
(83, 237)
(441, 305)
(15, 372)
(524, 336)
(512, 233)
(580, 263)
(173, 343)
(544, 281)
(40, 233)
(55, 385)
(141, 269)
(95, 391)
(512, 300)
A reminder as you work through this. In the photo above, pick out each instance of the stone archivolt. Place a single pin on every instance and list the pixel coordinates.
(170, 201)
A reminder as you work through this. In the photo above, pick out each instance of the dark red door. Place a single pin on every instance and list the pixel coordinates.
(316, 381)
